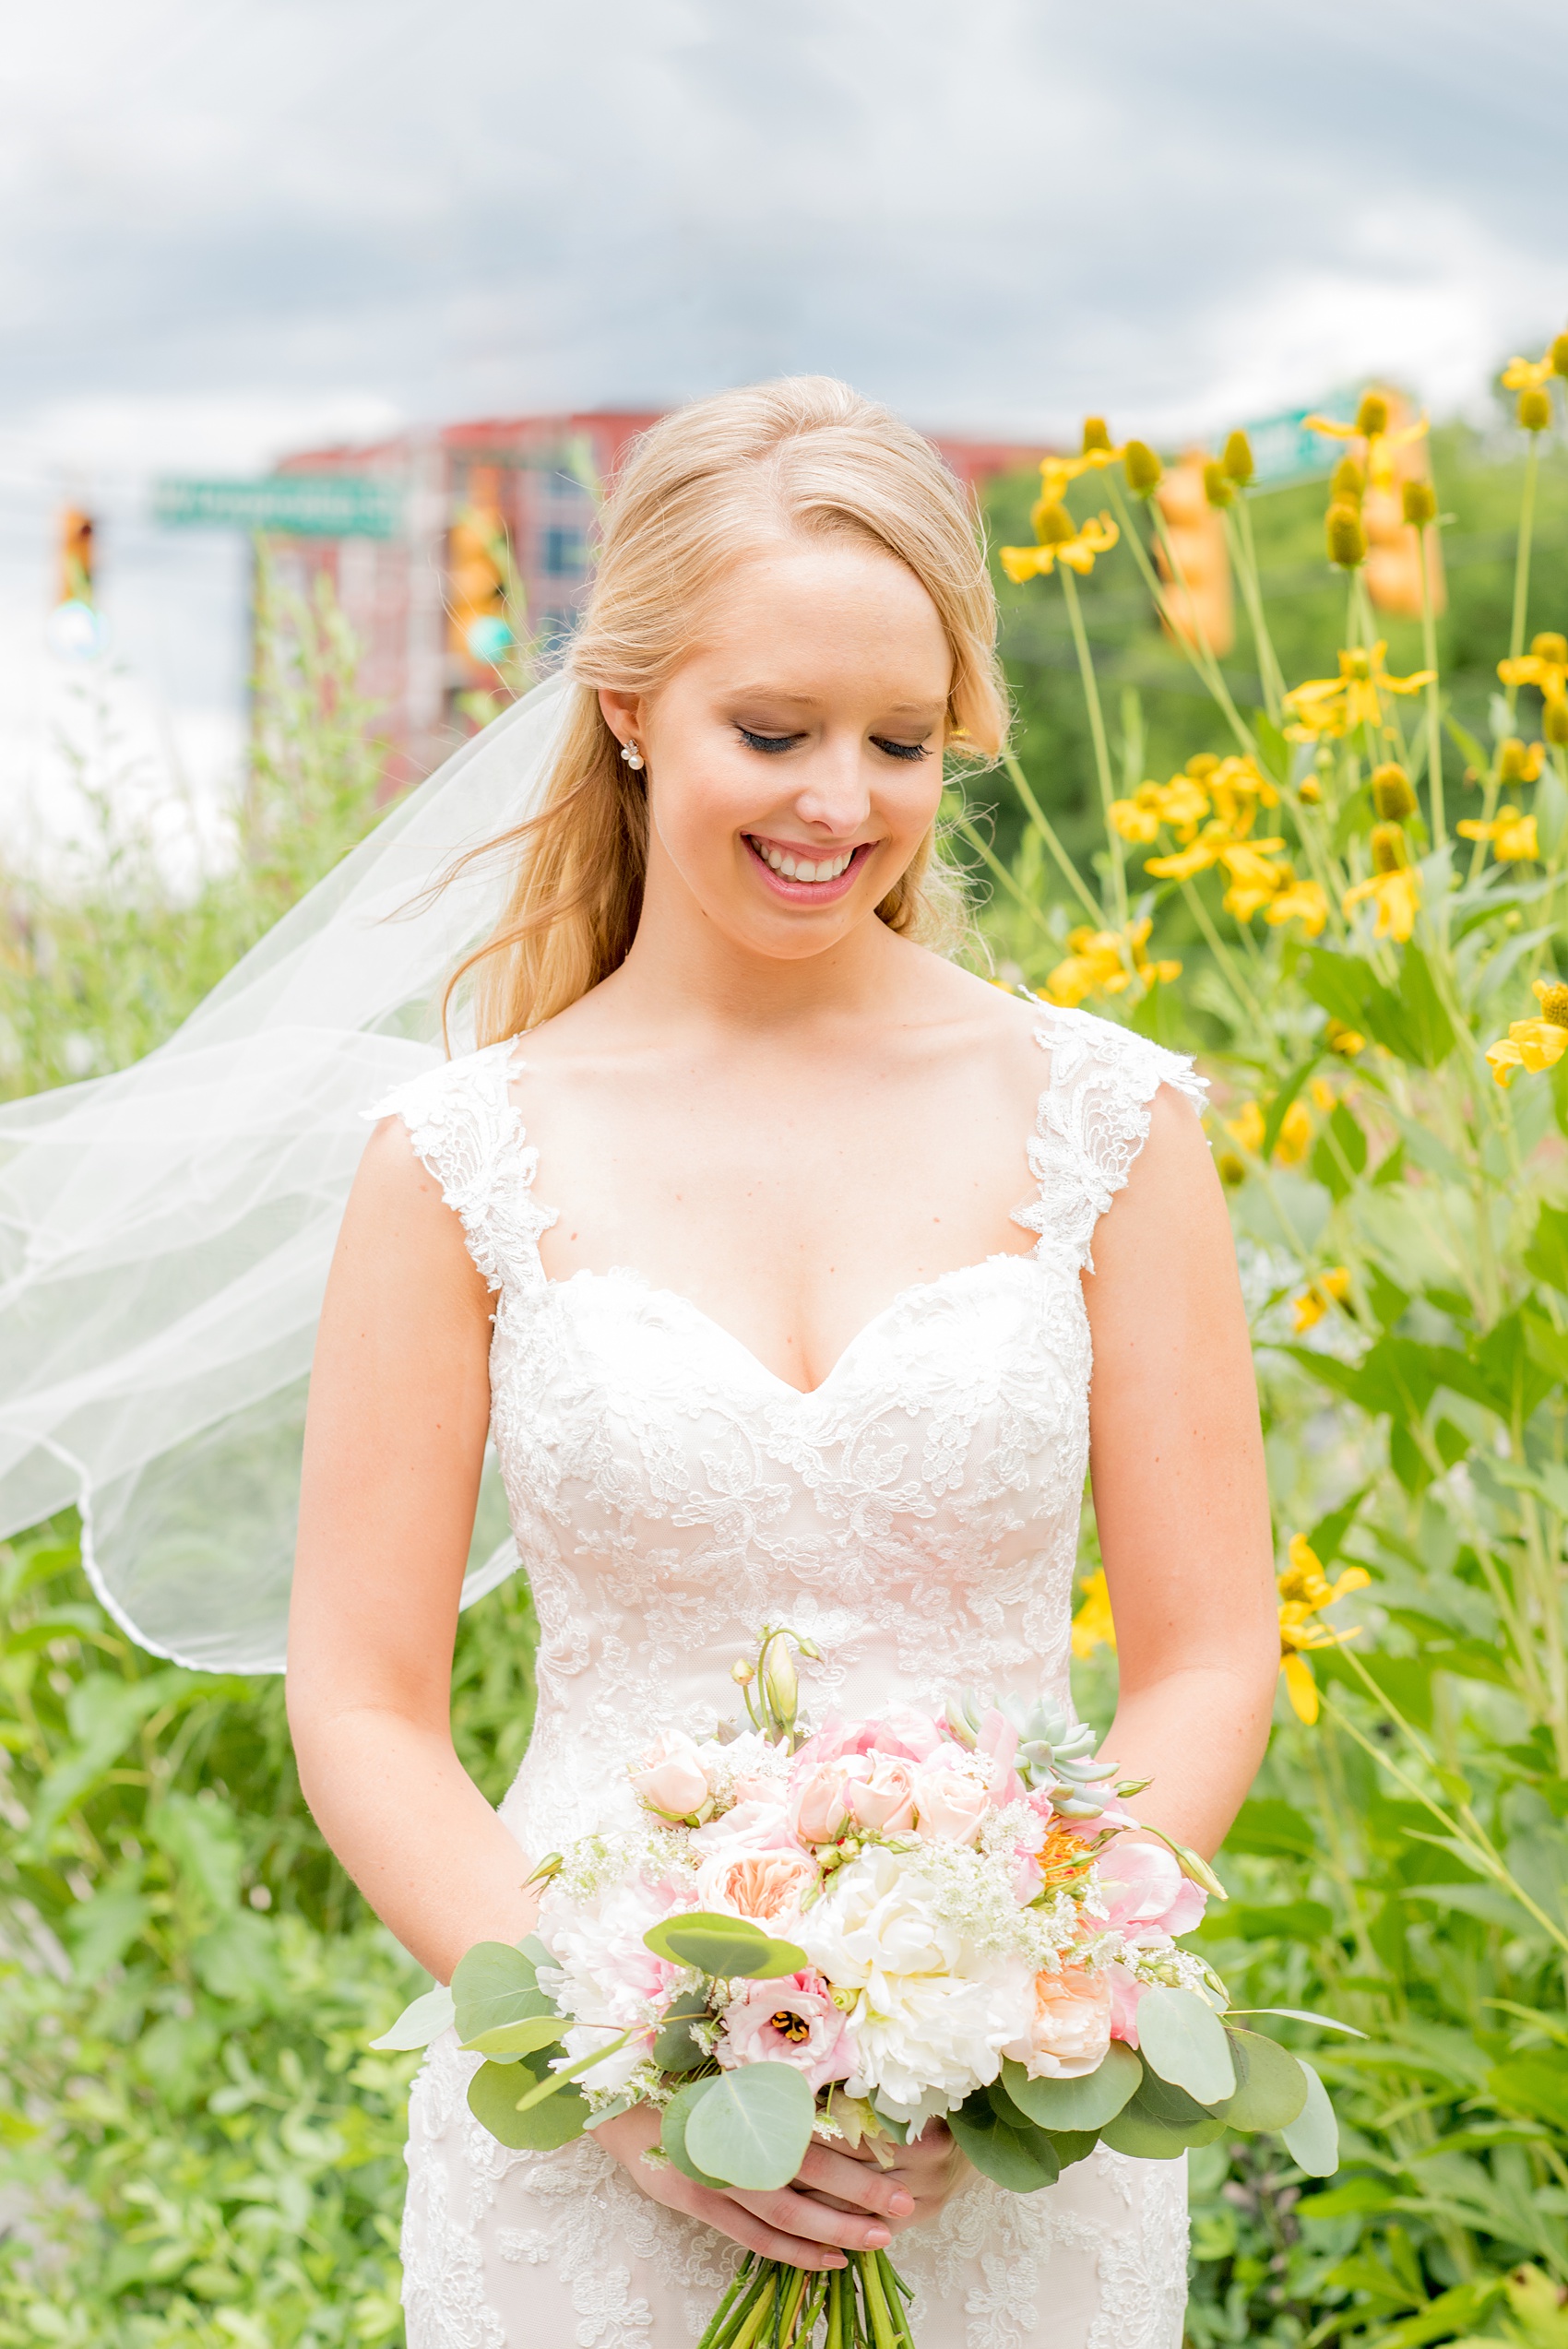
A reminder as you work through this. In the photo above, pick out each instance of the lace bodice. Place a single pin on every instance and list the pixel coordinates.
(918, 1515)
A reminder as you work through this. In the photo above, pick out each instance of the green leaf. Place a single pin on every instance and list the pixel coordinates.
(1343, 984)
(1419, 1028)
(728, 1947)
(1307, 1921)
(1339, 1155)
(1071, 2145)
(494, 1984)
(1160, 2120)
(1311, 2140)
(493, 2100)
(673, 2130)
(675, 2050)
(1305, 2014)
(1273, 1829)
(1353, 2199)
(1536, 2084)
(753, 2126)
(1022, 2159)
(428, 2016)
(1282, 1103)
(1086, 2103)
(1547, 1256)
(1182, 2038)
(507, 2041)
(1271, 2087)
(1515, 1380)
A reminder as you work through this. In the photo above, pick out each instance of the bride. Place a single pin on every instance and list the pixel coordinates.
(770, 1246)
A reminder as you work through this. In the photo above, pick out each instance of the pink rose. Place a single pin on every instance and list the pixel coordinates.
(1145, 1891)
(1070, 2029)
(767, 1885)
(750, 1827)
(670, 1776)
(792, 2021)
(949, 1804)
(880, 1790)
(818, 1806)
(909, 1735)
(1125, 1992)
(835, 1740)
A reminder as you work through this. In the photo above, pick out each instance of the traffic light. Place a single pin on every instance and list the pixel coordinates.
(479, 625)
(1196, 568)
(1394, 562)
(76, 557)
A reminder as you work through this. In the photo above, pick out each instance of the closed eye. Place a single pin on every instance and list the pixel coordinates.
(765, 741)
(901, 749)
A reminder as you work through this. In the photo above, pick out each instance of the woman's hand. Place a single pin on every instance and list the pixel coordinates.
(839, 2202)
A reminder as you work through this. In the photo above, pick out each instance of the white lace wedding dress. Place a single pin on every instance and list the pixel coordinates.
(918, 1515)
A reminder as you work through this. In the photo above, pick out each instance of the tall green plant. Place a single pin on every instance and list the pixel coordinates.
(1361, 992)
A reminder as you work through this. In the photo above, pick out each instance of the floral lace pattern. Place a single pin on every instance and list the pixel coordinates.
(918, 1515)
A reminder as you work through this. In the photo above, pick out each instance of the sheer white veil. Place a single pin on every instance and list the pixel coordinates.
(165, 1232)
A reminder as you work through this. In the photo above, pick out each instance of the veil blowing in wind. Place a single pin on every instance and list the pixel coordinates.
(165, 1231)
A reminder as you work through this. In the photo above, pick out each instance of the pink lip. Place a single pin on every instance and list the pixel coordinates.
(812, 893)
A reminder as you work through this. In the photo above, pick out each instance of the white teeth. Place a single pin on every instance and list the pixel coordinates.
(799, 869)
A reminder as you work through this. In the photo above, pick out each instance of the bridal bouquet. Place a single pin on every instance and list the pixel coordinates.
(852, 1932)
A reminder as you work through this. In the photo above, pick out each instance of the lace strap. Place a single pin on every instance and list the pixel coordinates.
(1092, 1121)
(467, 1130)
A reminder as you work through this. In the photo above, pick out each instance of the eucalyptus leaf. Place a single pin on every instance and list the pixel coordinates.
(1086, 2103)
(419, 2024)
(493, 2100)
(673, 2129)
(1022, 2159)
(675, 2050)
(730, 1947)
(1147, 2140)
(1311, 2140)
(492, 1983)
(1271, 2087)
(508, 2041)
(1182, 2038)
(753, 2126)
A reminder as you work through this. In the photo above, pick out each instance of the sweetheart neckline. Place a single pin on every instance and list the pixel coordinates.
(628, 1275)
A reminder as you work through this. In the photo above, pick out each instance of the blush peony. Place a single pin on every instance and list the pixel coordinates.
(769, 1886)
(1069, 2029)
(1145, 1891)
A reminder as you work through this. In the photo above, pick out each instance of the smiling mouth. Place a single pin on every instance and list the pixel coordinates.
(797, 866)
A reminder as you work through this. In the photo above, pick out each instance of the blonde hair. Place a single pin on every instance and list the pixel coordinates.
(818, 460)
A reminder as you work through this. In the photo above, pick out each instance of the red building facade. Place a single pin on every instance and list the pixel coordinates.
(495, 550)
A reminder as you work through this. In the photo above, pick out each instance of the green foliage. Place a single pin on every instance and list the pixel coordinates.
(1402, 1223)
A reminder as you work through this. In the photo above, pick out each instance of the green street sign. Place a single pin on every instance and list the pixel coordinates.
(1284, 450)
(293, 506)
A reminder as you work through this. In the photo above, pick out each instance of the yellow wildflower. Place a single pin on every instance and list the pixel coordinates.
(1310, 789)
(1185, 862)
(1235, 784)
(1093, 1625)
(1519, 762)
(1333, 706)
(1329, 1288)
(1527, 374)
(1371, 426)
(1183, 803)
(1345, 1041)
(1256, 880)
(1546, 665)
(1323, 1093)
(1139, 818)
(1303, 901)
(1513, 836)
(1247, 1126)
(1061, 540)
(1304, 1591)
(1295, 1135)
(1101, 962)
(1394, 888)
(1537, 1043)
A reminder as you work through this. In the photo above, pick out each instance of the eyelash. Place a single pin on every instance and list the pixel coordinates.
(772, 743)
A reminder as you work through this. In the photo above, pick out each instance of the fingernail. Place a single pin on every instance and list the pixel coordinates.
(877, 2239)
(902, 2203)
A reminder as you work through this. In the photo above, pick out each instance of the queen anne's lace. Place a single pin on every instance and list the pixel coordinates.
(918, 1515)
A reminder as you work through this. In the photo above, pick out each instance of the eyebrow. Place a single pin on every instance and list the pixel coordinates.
(813, 701)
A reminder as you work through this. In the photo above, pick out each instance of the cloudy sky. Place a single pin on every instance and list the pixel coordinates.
(229, 228)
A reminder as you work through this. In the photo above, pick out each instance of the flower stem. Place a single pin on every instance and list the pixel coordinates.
(1244, 556)
(1101, 747)
(1202, 659)
(1434, 715)
(1042, 824)
(1009, 881)
(1522, 561)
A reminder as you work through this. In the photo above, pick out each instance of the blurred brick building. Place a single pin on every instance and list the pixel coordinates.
(497, 533)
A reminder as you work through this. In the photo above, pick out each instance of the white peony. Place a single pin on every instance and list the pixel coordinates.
(931, 2016)
(605, 1976)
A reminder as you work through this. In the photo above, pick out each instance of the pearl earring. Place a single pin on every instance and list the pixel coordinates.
(633, 756)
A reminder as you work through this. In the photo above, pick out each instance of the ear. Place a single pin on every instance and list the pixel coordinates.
(623, 713)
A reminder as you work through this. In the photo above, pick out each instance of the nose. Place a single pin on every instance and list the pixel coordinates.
(835, 791)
